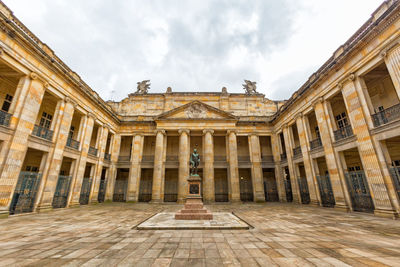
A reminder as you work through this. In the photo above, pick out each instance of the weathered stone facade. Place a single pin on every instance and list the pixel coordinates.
(334, 143)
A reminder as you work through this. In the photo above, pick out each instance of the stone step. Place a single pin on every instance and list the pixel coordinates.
(197, 206)
(193, 211)
(193, 216)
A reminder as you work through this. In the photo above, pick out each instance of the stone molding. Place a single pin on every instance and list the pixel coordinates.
(162, 131)
(208, 131)
(318, 101)
(91, 115)
(180, 131)
(68, 99)
(228, 132)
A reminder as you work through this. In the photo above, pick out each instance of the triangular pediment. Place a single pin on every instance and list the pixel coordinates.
(196, 110)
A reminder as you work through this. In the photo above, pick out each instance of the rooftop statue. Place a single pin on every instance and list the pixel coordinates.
(194, 162)
(143, 87)
(250, 87)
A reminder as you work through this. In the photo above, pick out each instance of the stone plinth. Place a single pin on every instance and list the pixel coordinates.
(194, 208)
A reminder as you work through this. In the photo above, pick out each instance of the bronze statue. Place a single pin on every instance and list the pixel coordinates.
(194, 162)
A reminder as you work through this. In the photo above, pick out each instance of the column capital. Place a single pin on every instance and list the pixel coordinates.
(108, 126)
(385, 52)
(68, 99)
(228, 132)
(138, 134)
(181, 131)
(91, 115)
(35, 76)
(298, 115)
(208, 131)
(317, 101)
(162, 131)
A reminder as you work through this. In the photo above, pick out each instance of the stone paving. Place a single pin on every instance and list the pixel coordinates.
(167, 221)
(283, 234)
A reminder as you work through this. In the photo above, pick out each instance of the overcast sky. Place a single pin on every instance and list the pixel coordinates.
(193, 45)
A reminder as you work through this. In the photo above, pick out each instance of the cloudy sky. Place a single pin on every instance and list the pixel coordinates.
(193, 45)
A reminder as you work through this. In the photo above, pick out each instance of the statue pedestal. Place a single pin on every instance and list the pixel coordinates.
(194, 209)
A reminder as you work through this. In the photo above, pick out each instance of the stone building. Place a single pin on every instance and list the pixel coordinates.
(334, 143)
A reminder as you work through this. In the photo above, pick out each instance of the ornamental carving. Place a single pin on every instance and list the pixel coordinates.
(250, 87)
(196, 111)
(143, 87)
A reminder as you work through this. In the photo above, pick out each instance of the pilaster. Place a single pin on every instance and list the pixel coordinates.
(158, 178)
(336, 173)
(208, 171)
(101, 146)
(392, 60)
(28, 104)
(278, 170)
(232, 155)
(383, 199)
(289, 153)
(65, 111)
(135, 169)
(112, 173)
(310, 175)
(256, 168)
(184, 154)
(76, 183)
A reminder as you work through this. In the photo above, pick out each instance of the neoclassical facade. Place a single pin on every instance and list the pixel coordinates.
(334, 143)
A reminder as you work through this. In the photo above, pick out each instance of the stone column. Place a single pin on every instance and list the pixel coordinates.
(135, 169)
(77, 178)
(287, 135)
(28, 108)
(184, 154)
(102, 142)
(278, 170)
(208, 171)
(336, 173)
(256, 168)
(232, 157)
(112, 173)
(383, 200)
(310, 175)
(54, 161)
(392, 60)
(158, 178)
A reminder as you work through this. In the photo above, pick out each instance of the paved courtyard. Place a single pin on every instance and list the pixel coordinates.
(283, 234)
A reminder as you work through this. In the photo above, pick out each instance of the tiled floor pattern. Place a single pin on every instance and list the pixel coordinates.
(284, 235)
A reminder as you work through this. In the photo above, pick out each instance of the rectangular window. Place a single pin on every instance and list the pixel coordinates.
(45, 121)
(341, 120)
(7, 103)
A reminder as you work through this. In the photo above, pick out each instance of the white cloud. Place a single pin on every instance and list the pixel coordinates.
(193, 45)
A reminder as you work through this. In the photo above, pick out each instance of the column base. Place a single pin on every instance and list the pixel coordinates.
(94, 202)
(4, 214)
(235, 201)
(386, 213)
(74, 205)
(44, 208)
(314, 203)
(156, 201)
(342, 207)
